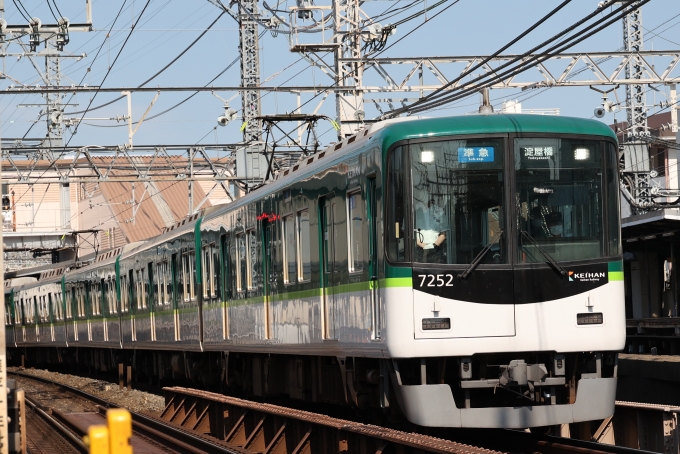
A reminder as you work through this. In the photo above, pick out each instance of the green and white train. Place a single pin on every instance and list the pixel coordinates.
(463, 271)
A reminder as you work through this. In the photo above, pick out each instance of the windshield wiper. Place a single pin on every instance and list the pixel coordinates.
(477, 260)
(551, 260)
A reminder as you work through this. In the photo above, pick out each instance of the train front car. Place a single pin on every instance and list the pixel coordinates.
(506, 230)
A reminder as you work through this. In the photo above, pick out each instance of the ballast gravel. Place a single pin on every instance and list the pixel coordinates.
(134, 400)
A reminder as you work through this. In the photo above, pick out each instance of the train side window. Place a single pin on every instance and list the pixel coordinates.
(241, 260)
(17, 314)
(132, 290)
(69, 303)
(158, 283)
(142, 288)
(167, 280)
(304, 270)
(124, 294)
(217, 292)
(80, 301)
(149, 282)
(208, 270)
(289, 250)
(192, 275)
(8, 314)
(185, 277)
(251, 258)
(93, 299)
(35, 305)
(113, 306)
(355, 240)
(213, 270)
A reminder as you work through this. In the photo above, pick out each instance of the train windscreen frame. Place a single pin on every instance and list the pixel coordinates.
(463, 181)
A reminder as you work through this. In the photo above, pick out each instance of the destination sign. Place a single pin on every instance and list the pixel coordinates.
(475, 154)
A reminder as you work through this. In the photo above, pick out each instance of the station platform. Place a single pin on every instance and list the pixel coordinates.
(653, 335)
(649, 379)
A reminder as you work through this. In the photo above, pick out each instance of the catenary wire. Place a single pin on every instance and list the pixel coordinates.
(433, 97)
(522, 66)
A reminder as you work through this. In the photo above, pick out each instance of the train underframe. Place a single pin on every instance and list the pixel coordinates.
(486, 390)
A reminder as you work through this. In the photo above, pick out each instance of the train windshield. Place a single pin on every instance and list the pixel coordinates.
(559, 199)
(457, 189)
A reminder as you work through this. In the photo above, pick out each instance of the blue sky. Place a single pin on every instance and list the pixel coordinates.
(470, 27)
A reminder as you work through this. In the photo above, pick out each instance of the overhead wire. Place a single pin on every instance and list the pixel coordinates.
(438, 93)
(426, 103)
(22, 9)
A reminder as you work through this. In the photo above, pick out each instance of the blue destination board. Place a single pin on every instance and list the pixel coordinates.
(475, 154)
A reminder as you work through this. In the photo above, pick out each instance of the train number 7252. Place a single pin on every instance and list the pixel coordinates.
(436, 280)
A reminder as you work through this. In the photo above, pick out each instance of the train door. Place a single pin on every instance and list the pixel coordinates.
(371, 211)
(329, 270)
(151, 298)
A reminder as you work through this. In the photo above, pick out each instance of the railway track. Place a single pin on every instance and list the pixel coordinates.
(203, 422)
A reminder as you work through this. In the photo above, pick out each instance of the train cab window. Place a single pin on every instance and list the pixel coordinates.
(241, 261)
(559, 198)
(303, 239)
(457, 193)
(355, 240)
(289, 250)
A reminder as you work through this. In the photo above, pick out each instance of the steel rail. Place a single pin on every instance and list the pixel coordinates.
(170, 436)
(61, 428)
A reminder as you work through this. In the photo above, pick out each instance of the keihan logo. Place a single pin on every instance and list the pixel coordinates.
(586, 277)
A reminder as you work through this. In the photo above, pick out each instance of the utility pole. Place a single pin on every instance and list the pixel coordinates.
(636, 151)
(349, 105)
(249, 49)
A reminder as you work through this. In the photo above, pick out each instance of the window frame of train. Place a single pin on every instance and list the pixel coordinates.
(111, 300)
(251, 258)
(290, 251)
(355, 258)
(304, 254)
(164, 281)
(400, 219)
(241, 260)
(223, 266)
(188, 275)
(209, 278)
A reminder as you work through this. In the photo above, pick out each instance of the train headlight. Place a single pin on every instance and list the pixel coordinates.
(581, 154)
(426, 156)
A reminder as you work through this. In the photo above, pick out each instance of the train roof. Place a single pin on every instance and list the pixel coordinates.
(493, 124)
